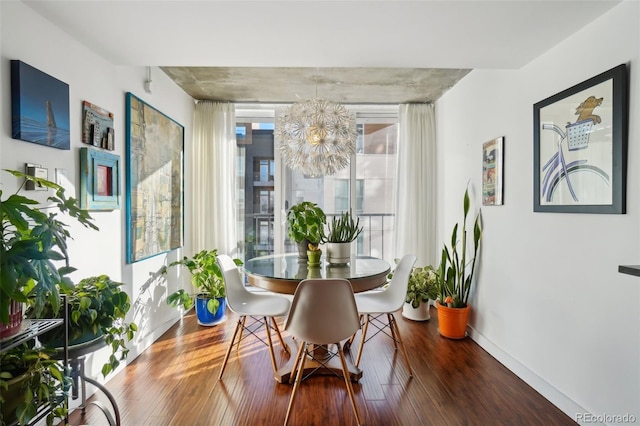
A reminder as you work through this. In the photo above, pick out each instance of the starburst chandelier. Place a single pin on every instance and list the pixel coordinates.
(316, 137)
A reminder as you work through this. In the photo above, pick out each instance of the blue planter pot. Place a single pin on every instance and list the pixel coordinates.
(205, 317)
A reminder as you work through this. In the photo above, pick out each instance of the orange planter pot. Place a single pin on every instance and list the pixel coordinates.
(452, 322)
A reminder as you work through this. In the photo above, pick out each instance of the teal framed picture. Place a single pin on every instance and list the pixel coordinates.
(99, 180)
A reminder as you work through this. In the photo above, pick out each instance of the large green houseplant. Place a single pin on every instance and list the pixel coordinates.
(305, 223)
(33, 238)
(455, 275)
(206, 279)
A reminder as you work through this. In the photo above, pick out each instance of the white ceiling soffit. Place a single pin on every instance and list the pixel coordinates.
(484, 34)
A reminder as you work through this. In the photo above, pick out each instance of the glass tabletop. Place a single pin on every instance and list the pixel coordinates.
(282, 272)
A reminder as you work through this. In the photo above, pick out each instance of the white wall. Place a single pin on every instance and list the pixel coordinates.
(558, 314)
(26, 36)
(549, 302)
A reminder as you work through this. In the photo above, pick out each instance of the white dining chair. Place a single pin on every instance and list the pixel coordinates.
(261, 308)
(323, 312)
(375, 305)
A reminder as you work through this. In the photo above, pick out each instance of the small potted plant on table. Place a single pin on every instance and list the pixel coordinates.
(305, 222)
(341, 232)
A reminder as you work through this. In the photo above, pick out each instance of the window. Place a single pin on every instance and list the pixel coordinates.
(342, 198)
(264, 170)
(366, 187)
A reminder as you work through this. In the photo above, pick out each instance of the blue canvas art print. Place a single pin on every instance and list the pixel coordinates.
(39, 107)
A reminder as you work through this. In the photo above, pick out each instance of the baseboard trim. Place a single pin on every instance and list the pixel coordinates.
(557, 398)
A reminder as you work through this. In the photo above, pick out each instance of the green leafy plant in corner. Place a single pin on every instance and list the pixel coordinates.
(342, 229)
(455, 273)
(206, 278)
(422, 286)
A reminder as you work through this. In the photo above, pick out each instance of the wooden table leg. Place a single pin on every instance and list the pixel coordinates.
(283, 375)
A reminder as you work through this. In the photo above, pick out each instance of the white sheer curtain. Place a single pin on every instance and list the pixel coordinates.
(213, 174)
(415, 205)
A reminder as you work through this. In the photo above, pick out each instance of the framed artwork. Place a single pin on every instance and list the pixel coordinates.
(492, 158)
(97, 126)
(154, 181)
(39, 107)
(99, 180)
(580, 147)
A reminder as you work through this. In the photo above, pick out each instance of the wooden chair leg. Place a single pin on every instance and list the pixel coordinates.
(270, 342)
(299, 362)
(364, 337)
(275, 326)
(347, 381)
(233, 339)
(299, 359)
(244, 320)
(390, 320)
(402, 347)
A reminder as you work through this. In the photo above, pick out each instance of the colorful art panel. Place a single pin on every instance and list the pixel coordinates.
(154, 181)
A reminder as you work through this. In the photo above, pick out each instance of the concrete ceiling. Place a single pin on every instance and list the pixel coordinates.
(349, 51)
(345, 85)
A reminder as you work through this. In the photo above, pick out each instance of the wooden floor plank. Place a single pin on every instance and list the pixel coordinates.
(174, 382)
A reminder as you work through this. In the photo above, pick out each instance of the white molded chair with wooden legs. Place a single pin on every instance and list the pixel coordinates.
(323, 312)
(375, 304)
(261, 308)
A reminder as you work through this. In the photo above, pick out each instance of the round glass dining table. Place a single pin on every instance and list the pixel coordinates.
(281, 273)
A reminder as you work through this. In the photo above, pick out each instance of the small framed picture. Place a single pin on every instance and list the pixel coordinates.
(492, 172)
(99, 180)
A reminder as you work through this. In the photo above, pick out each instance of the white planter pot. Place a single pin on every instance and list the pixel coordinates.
(421, 313)
(338, 253)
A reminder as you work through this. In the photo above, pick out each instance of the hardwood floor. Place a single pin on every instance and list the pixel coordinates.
(174, 382)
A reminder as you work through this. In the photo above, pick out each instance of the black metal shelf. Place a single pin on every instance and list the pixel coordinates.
(33, 329)
(629, 269)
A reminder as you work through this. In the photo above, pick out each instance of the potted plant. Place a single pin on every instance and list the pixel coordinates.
(455, 277)
(30, 377)
(97, 308)
(207, 279)
(305, 222)
(341, 231)
(313, 255)
(32, 240)
(422, 287)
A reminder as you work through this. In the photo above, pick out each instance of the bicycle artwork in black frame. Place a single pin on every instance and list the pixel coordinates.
(580, 147)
